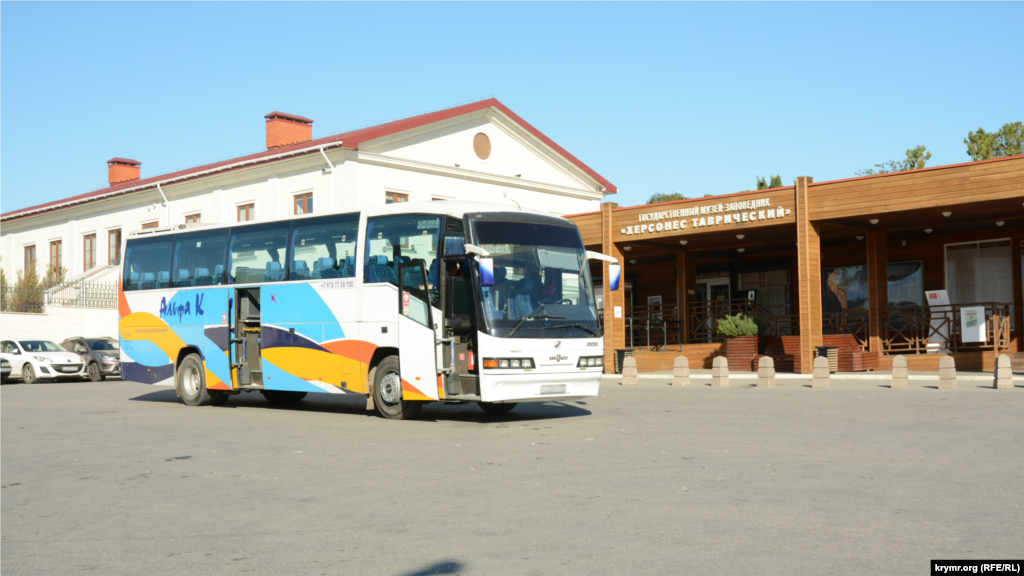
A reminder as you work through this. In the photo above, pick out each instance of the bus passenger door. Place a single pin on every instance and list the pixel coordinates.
(416, 353)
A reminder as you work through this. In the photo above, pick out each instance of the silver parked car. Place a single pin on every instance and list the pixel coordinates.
(102, 356)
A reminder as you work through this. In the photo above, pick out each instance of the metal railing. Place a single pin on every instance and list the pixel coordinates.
(78, 294)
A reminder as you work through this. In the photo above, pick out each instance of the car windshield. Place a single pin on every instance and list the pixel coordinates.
(541, 281)
(102, 344)
(40, 346)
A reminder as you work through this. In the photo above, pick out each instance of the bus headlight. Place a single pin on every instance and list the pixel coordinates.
(514, 363)
(588, 361)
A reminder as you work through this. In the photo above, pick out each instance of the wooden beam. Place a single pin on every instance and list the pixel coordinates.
(878, 288)
(614, 328)
(809, 277)
(686, 289)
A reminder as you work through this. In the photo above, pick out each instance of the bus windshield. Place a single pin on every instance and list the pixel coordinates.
(542, 285)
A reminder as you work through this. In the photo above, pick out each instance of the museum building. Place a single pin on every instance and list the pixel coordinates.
(922, 263)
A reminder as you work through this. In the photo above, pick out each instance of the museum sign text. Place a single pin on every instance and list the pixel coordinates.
(706, 215)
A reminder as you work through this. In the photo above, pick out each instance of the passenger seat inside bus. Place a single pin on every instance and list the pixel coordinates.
(324, 268)
(273, 273)
(348, 270)
(300, 270)
(201, 277)
(163, 279)
(183, 278)
(379, 270)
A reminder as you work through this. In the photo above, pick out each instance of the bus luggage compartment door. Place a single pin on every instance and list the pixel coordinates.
(416, 352)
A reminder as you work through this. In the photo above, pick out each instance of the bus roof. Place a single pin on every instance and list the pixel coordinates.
(453, 208)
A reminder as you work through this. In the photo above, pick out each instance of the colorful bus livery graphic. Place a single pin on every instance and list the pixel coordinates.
(405, 304)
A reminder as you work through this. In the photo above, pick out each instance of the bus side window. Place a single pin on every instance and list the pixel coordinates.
(146, 259)
(324, 247)
(257, 254)
(392, 240)
(198, 257)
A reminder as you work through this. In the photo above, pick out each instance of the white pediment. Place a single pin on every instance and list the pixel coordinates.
(513, 150)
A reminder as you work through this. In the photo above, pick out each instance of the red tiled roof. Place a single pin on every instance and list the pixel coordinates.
(350, 140)
(288, 116)
(124, 161)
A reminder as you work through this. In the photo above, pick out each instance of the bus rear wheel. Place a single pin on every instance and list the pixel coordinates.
(192, 381)
(387, 391)
(493, 408)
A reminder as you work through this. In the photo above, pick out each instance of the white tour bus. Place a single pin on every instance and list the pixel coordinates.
(406, 304)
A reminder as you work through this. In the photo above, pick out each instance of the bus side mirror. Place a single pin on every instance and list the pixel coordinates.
(615, 274)
(487, 272)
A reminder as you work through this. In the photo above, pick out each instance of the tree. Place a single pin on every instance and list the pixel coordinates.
(1008, 141)
(915, 160)
(665, 197)
(770, 182)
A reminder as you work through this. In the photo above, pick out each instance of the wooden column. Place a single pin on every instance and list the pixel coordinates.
(614, 328)
(808, 254)
(878, 288)
(686, 287)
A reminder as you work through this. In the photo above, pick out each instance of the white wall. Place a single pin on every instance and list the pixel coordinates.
(58, 323)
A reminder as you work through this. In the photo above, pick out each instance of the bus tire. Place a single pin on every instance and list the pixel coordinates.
(387, 391)
(494, 408)
(192, 381)
(282, 396)
(218, 398)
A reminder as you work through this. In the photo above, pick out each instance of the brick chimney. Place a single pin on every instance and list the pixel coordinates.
(122, 170)
(284, 129)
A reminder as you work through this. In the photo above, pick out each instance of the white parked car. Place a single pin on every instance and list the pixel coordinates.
(34, 360)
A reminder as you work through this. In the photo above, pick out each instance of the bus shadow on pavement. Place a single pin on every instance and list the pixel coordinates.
(446, 567)
(356, 404)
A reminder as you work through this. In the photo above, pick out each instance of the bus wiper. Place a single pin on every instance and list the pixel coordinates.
(580, 326)
(534, 316)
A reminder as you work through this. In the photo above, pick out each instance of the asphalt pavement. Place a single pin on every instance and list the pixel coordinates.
(121, 478)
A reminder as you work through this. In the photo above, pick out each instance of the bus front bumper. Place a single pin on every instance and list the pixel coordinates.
(539, 387)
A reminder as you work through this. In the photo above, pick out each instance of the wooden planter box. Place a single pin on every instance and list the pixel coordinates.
(741, 351)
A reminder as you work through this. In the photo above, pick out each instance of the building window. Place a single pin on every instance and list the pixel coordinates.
(192, 219)
(114, 247)
(246, 212)
(304, 203)
(395, 197)
(56, 254)
(150, 225)
(88, 251)
(30, 258)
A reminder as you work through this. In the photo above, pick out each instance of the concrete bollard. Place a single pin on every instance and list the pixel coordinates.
(766, 372)
(720, 371)
(681, 371)
(900, 373)
(1004, 373)
(947, 373)
(629, 375)
(822, 375)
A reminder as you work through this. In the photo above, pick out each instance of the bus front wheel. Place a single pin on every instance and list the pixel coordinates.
(493, 408)
(387, 391)
(192, 381)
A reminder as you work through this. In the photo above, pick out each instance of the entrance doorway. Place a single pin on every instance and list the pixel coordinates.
(709, 291)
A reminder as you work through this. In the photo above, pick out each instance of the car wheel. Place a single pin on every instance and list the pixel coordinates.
(387, 392)
(192, 381)
(94, 374)
(28, 374)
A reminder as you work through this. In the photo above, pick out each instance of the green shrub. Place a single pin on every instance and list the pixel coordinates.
(737, 325)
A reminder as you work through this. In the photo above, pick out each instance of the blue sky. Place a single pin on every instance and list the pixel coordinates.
(657, 97)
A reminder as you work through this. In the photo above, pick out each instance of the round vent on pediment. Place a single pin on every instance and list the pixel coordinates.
(482, 146)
